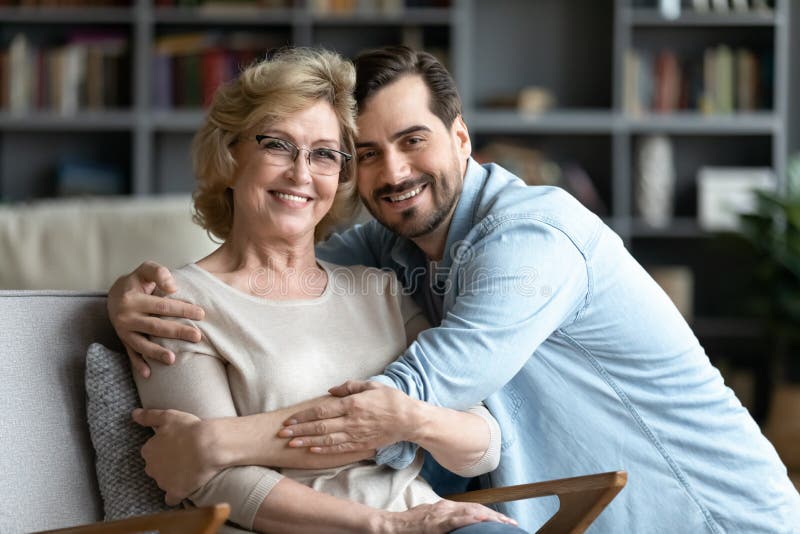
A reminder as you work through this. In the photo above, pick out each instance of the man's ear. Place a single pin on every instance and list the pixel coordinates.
(461, 137)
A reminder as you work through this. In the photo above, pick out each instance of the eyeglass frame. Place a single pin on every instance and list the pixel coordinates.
(347, 157)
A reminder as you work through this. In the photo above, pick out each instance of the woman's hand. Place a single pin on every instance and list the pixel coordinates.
(440, 517)
(368, 415)
(134, 313)
(180, 456)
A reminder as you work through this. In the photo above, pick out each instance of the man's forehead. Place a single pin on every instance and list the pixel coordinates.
(397, 107)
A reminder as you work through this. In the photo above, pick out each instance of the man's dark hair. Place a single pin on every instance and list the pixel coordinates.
(378, 68)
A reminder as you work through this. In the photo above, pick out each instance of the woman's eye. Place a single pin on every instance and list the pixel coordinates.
(274, 144)
(322, 153)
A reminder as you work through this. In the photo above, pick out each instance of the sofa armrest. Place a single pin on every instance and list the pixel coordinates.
(206, 520)
(581, 499)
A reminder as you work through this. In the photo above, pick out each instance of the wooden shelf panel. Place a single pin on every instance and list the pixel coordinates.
(557, 121)
(236, 15)
(679, 227)
(695, 123)
(81, 121)
(652, 17)
(178, 120)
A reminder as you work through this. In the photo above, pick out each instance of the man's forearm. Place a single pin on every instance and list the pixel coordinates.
(253, 440)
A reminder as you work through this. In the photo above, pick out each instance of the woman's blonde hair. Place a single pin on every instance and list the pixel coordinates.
(267, 92)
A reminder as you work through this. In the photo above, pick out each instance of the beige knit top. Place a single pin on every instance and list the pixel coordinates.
(258, 355)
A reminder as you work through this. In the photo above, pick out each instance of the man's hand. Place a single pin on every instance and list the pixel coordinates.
(179, 457)
(134, 312)
(361, 415)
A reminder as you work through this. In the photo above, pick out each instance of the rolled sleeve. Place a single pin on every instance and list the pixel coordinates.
(243, 488)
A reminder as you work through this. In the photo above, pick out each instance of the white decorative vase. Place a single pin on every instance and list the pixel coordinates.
(655, 184)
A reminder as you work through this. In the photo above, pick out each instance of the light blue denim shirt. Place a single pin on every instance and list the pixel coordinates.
(583, 360)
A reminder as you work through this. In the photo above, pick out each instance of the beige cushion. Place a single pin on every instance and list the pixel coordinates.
(85, 244)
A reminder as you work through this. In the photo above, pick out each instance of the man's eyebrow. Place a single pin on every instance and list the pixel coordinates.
(397, 135)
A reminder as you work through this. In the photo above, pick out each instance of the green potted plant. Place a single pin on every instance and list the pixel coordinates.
(773, 231)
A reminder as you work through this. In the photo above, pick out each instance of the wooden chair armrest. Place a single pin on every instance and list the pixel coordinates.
(206, 520)
(581, 498)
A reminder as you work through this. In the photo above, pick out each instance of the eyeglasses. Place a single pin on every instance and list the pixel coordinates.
(280, 152)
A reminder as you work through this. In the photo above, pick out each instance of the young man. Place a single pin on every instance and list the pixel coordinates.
(541, 311)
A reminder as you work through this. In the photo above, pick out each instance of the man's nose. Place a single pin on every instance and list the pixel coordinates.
(396, 167)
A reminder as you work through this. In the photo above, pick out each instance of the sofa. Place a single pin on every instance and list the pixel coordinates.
(47, 464)
(48, 474)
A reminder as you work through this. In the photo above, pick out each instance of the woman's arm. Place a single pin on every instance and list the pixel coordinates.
(466, 443)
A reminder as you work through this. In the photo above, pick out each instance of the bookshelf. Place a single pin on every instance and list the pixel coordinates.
(143, 142)
(571, 52)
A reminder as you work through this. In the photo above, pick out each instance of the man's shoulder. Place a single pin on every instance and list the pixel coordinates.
(506, 204)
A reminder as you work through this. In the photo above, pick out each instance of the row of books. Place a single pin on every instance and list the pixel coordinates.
(89, 71)
(64, 3)
(720, 81)
(224, 4)
(316, 6)
(705, 6)
(188, 68)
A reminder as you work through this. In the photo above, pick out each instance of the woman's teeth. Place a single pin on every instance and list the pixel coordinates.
(293, 198)
(407, 195)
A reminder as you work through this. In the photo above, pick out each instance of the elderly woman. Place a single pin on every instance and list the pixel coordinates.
(275, 172)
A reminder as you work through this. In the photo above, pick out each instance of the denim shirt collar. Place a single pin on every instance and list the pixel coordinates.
(464, 215)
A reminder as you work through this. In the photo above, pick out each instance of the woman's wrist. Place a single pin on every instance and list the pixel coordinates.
(219, 453)
(419, 417)
(381, 522)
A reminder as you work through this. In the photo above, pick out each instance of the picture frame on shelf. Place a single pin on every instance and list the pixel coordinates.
(723, 193)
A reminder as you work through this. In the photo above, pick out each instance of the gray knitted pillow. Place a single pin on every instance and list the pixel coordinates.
(110, 398)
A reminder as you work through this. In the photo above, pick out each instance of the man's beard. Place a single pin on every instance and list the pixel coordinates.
(444, 198)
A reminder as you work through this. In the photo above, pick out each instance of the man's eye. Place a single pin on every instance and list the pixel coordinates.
(366, 155)
(415, 140)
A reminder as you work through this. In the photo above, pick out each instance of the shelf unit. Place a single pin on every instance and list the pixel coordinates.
(155, 142)
(573, 48)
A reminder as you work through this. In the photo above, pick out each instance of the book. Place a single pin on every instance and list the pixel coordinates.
(20, 74)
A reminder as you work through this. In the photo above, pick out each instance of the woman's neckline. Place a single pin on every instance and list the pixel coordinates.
(268, 301)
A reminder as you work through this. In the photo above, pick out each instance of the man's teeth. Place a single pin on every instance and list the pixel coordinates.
(407, 195)
(294, 198)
